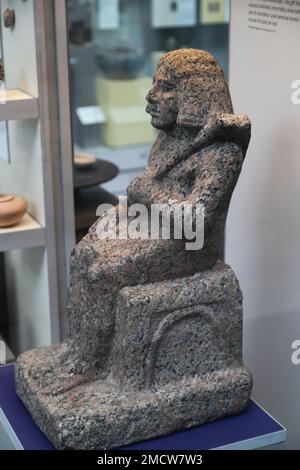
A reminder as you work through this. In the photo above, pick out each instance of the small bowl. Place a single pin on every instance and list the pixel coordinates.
(84, 160)
(12, 209)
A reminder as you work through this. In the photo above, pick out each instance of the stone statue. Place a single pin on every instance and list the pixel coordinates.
(155, 330)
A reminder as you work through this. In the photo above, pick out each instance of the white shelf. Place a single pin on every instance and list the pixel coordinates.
(16, 104)
(26, 234)
(9, 356)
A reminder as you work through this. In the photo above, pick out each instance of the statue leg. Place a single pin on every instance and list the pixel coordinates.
(98, 271)
(95, 280)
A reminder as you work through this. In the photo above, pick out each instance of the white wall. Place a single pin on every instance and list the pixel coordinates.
(263, 230)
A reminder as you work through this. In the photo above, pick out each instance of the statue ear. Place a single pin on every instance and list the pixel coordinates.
(200, 98)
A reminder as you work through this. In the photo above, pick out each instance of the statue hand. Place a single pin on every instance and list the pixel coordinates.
(139, 190)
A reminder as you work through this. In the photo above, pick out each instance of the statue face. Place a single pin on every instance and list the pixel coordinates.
(162, 101)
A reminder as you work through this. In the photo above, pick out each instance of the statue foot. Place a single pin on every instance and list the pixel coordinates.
(50, 360)
(66, 381)
(61, 370)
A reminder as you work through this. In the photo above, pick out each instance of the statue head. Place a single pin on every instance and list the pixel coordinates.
(189, 87)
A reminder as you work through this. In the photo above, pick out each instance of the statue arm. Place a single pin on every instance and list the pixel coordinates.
(147, 190)
(216, 177)
(221, 165)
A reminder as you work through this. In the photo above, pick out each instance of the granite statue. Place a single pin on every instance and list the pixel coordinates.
(155, 330)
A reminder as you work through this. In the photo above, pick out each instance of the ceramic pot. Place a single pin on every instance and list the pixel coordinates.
(12, 209)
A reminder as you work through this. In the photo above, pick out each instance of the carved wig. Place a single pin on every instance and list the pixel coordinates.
(201, 85)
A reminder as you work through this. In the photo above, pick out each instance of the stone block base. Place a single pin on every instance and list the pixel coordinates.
(175, 362)
(102, 417)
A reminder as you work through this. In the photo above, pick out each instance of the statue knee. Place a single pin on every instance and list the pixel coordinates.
(83, 254)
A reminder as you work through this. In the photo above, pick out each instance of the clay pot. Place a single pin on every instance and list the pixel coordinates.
(12, 209)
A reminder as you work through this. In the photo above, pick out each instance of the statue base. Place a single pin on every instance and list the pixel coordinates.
(98, 416)
(176, 362)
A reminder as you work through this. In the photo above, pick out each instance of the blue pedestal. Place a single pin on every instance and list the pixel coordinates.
(252, 429)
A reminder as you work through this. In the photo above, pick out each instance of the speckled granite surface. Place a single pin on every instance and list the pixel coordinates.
(176, 363)
(155, 330)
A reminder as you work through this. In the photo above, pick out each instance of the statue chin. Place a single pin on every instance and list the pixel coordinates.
(162, 126)
(157, 126)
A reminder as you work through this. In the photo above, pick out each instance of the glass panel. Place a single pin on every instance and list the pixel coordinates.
(4, 154)
(115, 46)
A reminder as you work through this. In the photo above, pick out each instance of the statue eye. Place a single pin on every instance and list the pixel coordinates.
(167, 86)
(163, 85)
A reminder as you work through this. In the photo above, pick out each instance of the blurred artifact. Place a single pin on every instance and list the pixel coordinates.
(84, 160)
(9, 18)
(121, 88)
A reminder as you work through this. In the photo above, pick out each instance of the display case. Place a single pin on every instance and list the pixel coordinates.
(114, 49)
(109, 49)
(37, 165)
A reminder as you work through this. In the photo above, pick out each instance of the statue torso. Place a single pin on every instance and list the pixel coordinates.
(179, 180)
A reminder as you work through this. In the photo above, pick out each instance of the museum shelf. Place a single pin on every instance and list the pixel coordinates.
(9, 356)
(34, 254)
(26, 234)
(15, 104)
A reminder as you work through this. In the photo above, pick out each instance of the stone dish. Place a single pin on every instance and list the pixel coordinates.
(120, 63)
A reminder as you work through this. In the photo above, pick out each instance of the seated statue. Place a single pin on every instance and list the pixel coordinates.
(128, 297)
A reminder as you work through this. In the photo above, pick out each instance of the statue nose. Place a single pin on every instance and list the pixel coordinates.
(150, 96)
